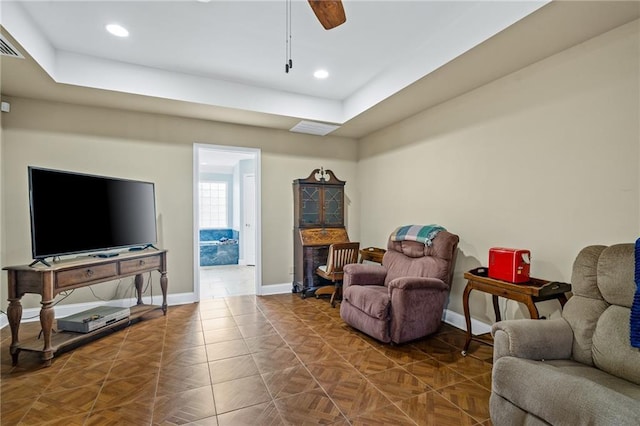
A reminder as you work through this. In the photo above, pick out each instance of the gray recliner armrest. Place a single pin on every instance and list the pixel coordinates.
(532, 339)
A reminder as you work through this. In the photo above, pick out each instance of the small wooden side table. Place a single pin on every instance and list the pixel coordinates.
(536, 290)
(372, 254)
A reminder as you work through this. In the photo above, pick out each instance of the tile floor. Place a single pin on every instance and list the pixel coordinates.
(247, 360)
(226, 280)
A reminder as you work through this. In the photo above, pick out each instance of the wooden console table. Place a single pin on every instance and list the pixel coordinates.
(48, 281)
(536, 290)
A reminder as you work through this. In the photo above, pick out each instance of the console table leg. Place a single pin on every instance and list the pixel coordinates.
(164, 282)
(139, 281)
(46, 322)
(562, 298)
(467, 318)
(533, 310)
(496, 308)
(14, 315)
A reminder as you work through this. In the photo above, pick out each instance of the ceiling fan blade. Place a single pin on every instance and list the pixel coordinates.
(329, 13)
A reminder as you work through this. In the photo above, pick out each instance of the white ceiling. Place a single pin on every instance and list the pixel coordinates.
(224, 60)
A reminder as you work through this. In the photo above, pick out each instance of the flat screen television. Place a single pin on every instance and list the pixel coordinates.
(79, 213)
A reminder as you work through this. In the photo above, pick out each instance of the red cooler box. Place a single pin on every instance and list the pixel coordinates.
(508, 264)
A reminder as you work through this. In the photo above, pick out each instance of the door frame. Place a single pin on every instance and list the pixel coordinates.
(243, 239)
(256, 152)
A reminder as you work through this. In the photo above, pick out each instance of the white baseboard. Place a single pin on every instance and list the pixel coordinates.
(268, 290)
(457, 320)
(33, 314)
(450, 317)
(61, 311)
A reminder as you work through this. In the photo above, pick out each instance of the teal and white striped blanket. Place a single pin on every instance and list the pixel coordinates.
(420, 233)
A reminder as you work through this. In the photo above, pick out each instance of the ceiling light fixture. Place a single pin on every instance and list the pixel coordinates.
(321, 74)
(117, 30)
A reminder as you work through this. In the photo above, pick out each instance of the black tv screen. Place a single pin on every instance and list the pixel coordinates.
(76, 213)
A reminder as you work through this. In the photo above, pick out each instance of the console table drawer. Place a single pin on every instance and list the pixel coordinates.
(87, 273)
(139, 265)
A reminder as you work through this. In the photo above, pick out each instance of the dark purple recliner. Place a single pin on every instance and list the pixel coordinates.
(403, 299)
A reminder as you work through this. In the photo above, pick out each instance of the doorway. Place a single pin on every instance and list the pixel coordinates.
(226, 221)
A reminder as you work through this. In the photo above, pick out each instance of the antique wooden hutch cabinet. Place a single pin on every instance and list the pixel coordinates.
(318, 203)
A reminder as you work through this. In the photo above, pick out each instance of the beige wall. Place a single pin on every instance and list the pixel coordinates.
(159, 149)
(277, 208)
(544, 159)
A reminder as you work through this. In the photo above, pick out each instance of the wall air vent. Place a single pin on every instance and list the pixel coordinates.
(314, 128)
(7, 49)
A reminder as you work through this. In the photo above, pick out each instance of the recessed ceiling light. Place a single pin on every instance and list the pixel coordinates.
(117, 30)
(321, 74)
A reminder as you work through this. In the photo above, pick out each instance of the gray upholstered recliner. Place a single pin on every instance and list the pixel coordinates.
(403, 299)
(579, 369)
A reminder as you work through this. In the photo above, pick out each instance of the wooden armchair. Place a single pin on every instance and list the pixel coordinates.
(340, 254)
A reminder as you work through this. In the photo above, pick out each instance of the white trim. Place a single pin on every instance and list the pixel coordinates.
(61, 311)
(257, 154)
(258, 221)
(269, 290)
(196, 221)
(32, 314)
(457, 320)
